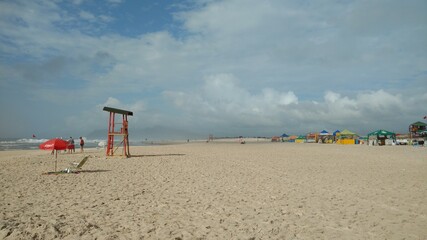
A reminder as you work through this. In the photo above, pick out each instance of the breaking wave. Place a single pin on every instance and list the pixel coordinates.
(33, 143)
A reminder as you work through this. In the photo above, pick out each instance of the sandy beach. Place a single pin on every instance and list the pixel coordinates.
(219, 190)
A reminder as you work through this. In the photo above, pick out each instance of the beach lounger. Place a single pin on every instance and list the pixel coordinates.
(78, 166)
(74, 168)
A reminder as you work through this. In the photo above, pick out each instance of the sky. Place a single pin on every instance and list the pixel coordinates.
(187, 69)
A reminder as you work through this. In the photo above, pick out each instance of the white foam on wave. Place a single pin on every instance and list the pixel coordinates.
(31, 140)
(102, 144)
(33, 143)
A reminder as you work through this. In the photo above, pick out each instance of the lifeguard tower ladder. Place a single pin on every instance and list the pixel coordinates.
(124, 132)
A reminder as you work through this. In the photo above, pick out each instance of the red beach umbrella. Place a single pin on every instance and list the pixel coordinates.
(54, 144)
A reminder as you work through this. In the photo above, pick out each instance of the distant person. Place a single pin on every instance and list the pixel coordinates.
(82, 143)
(70, 147)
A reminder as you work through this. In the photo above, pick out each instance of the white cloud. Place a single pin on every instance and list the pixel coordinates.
(77, 2)
(112, 102)
(87, 16)
(94, 116)
(115, 1)
(138, 107)
(222, 98)
(264, 65)
(332, 97)
(272, 95)
(106, 18)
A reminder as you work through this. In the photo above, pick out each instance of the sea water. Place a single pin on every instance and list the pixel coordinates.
(33, 143)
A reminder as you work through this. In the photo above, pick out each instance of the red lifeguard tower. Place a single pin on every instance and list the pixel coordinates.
(124, 132)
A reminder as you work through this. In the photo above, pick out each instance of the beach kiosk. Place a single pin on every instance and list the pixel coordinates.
(347, 137)
(122, 133)
(336, 135)
(382, 137)
(417, 132)
(312, 137)
(325, 137)
(292, 138)
(275, 139)
(285, 137)
(301, 139)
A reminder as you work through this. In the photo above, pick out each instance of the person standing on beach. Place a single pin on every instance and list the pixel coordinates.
(71, 145)
(82, 143)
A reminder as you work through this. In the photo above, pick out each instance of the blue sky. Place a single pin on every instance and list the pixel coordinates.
(194, 68)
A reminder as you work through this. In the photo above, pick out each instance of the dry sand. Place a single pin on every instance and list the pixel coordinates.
(218, 191)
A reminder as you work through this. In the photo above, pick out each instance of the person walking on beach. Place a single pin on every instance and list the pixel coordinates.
(82, 143)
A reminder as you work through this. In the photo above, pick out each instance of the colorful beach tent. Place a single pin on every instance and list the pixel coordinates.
(275, 139)
(324, 132)
(301, 139)
(381, 136)
(292, 138)
(336, 132)
(325, 137)
(284, 135)
(382, 132)
(346, 137)
(347, 132)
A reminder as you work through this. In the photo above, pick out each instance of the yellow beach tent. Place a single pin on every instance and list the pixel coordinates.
(347, 137)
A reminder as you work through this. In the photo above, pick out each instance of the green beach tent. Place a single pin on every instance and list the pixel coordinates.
(382, 132)
(381, 136)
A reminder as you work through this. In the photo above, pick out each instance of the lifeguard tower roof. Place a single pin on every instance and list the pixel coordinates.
(116, 110)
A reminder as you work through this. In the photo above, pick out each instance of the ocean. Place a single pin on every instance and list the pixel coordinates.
(33, 143)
